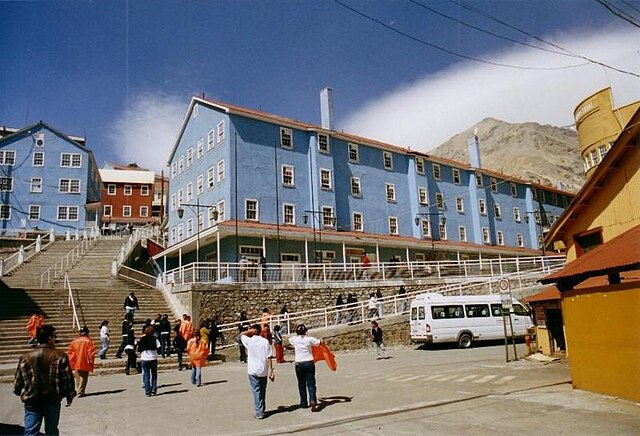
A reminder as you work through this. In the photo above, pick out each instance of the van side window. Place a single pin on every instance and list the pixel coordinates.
(477, 310)
(421, 312)
(518, 309)
(414, 313)
(496, 309)
(449, 311)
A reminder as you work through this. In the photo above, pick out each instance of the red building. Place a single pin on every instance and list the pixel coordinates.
(127, 197)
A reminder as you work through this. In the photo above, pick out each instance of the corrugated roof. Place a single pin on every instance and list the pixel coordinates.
(127, 176)
(622, 253)
(550, 293)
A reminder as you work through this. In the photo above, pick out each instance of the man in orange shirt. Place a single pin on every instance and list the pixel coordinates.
(82, 356)
(186, 327)
(35, 322)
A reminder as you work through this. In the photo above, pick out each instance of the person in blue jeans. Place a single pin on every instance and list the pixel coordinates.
(259, 366)
(305, 368)
(148, 347)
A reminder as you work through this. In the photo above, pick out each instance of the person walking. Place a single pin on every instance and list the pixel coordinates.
(372, 306)
(35, 322)
(277, 344)
(366, 264)
(402, 294)
(131, 305)
(214, 333)
(43, 378)
(305, 368)
(104, 339)
(82, 357)
(263, 268)
(375, 334)
(165, 336)
(339, 308)
(284, 319)
(179, 346)
(259, 366)
(351, 304)
(148, 347)
(130, 350)
(186, 327)
(124, 332)
(379, 298)
(198, 350)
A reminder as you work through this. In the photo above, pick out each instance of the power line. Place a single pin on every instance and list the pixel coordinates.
(619, 13)
(445, 50)
(484, 14)
(630, 5)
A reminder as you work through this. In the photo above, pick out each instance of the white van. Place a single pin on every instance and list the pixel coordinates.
(463, 319)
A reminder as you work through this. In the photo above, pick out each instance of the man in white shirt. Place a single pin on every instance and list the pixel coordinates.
(259, 366)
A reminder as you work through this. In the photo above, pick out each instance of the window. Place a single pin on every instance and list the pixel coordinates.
(199, 185)
(126, 211)
(354, 154)
(477, 310)
(189, 227)
(594, 157)
(189, 157)
(327, 217)
(34, 212)
(144, 211)
(514, 189)
(436, 171)
(70, 160)
(519, 240)
(288, 176)
(7, 157)
(174, 170)
(180, 232)
(554, 198)
(486, 236)
(460, 204)
(516, 214)
(221, 131)
(450, 311)
(180, 165)
(6, 184)
(286, 139)
(442, 227)
(355, 187)
(173, 235)
(534, 193)
(456, 175)
(221, 171)
(387, 158)
(426, 228)
(325, 179)
(420, 165)
(323, 143)
(357, 222)
(211, 175)
(391, 192)
(439, 200)
(500, 237)
(200, 148)
(602, 151)
(536, 216)
(542, 196)
(210, 137)
(479, 180)
(494, 185)
(189, 192)
(221, 210)
(565, 201)
(68, 213)
(462, 233)
(180, 196)
(69, 186)
(587, 241)
(251, 210)
(393, 225)
(38, 159)
(36, 184)
(423, 196)
(173, 202)
(289, 214)
(211, 217)
(107, 210)
(482, 206)
(128, 189)
(5, 212)
(497, 211)
(144, 190)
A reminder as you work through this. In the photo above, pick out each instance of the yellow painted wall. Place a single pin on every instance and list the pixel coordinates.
(603, 334)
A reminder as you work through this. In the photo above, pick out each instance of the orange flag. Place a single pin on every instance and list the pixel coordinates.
(323, 352)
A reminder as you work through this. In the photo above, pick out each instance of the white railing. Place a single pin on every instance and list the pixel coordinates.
(23, 254)
(356, 313)
(138, 234)
(136, 276)
(65, 263)
(212, 272)
(72, 303)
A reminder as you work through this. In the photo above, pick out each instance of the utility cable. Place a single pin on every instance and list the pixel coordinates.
(620, 13)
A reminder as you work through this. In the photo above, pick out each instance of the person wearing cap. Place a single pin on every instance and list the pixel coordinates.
(82, 357)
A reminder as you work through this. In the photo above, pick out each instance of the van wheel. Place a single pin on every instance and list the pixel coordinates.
(465, 340)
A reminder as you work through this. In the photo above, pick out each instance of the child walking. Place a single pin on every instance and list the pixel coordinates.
(376, 337)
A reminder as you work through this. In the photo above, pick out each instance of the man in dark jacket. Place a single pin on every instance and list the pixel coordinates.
(43, 378)
(131, 305)
(126, 325)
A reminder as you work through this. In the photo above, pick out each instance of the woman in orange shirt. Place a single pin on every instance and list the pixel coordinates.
(35, 322)
(198, 351)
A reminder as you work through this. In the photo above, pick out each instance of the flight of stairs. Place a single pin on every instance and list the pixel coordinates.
(97, 295)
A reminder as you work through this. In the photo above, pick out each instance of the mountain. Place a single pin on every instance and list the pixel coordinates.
(529, 151)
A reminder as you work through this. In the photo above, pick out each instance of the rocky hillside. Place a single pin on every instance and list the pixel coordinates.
(530, 151)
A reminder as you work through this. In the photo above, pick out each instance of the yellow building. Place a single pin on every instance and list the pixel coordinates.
(600, 285)
(599, 124)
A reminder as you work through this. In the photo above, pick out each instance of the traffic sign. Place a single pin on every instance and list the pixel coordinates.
(505, 294)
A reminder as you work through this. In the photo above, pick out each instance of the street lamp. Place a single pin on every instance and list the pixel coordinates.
(305, 219)
(538, 219)
(194, 208)
(443, 221)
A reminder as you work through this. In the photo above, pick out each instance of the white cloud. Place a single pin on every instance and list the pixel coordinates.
(431, 110)
(146, 130)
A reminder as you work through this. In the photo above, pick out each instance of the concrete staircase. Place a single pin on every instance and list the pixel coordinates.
(97, 295)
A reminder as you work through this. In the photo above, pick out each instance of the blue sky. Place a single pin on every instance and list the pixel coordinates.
(122, 73)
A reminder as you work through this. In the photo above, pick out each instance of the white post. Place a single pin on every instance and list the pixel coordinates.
(21, 255)
(77, 235)
(2, 268)
(38, 244)
(67, 235)
(114, 268)
(52, 235)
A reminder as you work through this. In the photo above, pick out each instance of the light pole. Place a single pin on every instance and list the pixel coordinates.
(538, 219)
(305, 219)
(194, 208)
(443, 221)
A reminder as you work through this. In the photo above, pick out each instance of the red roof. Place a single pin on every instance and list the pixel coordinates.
(550, 293)
(622, 253)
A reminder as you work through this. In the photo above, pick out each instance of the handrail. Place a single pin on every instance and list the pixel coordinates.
(66, 262)
(23, 254)
(138, 234)
(136, 276)
(71, 302)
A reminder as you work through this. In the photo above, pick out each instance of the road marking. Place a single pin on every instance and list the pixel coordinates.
(504, 379)
(446, 377)
(431, 377)
(486, 378)
(464, 379)
(404, 377)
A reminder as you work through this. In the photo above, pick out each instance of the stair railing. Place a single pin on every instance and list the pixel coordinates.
(67, 262)
(24, 254)
(72, 303)
(138, 234)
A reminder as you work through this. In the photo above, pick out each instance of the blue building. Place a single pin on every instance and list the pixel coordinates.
(48, 180)
(251, 183)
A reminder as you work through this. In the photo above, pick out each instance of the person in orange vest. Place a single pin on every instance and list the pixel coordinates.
(35, 322)
(186, 327)
(198, 350)
(82, 356)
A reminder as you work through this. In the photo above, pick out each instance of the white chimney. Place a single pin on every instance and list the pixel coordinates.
(326, 108)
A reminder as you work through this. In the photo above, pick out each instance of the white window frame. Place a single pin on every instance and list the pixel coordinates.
(69, 186)
(127, 190)
(174, 202)
(423, 196)
(107, 210)
(6, 184)
(180, 165)
(174, 169)
(111, 189)
(189, 227)
(286, 138)
(328, 217)
(144, 211)
(357, 223)
(393, 225)
(486, 235)
(210, 139)
(200, 148)
(482, 206)
(514, 189)
(144, 190)
(494, 184)
(288, 176)
(500, 237)
(189, 157)
(442, 227)
(220, 132)
(36, 185)
(324, 146)
(211, 177)
(5, 212)
(436, 171)
(497, 211)
(462, 233)
(289, 214)
(390, 192)
(460, 204)
(440, 200)
(126, 210)
(387, 160)
(356, 187)
(8, 157)
(426, 228)
(519, 240)
(200, 185)
(479, 180)
(70, 160)
(34, 216)
(254, 210)
(221, 171)
(455, 174)
(420, 165)
(40, 155)
(326, 184)
(221, 211)
(189, 193)
(353, 151)
(517, 216)
(65, 213)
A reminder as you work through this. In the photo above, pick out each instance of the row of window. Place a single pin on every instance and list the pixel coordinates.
(126, 211)
(595, 156)
(177, 233)
(64, 213)
(215, 174)
(67, 160)
(127, 190)
(65, 186)
(214, 137)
